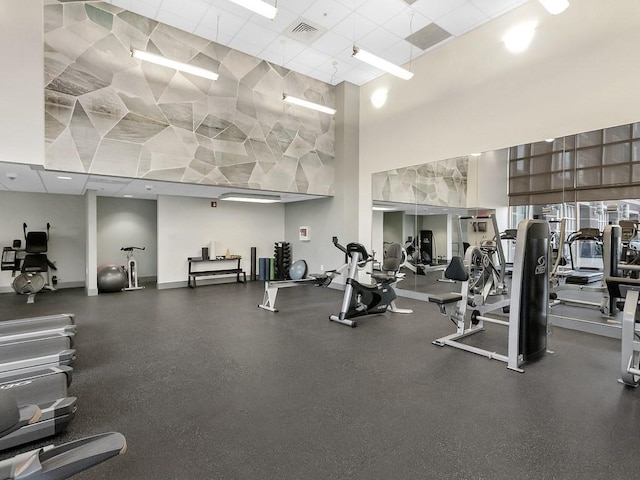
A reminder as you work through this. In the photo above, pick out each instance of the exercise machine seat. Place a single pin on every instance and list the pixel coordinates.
(393, 259)
(36, 242)
(456, 270)
(36, 245)
(35, 263)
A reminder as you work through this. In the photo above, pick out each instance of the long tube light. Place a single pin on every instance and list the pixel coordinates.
(259, 7)
(381, 63)
(305, 103)
(554, 7)
(165, 62)
(249, 198)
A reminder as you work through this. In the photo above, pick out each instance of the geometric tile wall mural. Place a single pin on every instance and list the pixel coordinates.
(442, 183)
(108, 113)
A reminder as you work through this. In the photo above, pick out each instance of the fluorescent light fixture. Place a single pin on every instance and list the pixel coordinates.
(259, 7)
(165, 62)
(305, 103)
(249, 198)
(549, 140)
(379, 97)
(381, 63)
(379, 208)
(554, 7)
(128, 196)
(518, 38)
(476, 154)
(62, 177)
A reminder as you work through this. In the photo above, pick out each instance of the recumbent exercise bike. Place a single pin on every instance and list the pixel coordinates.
(359, 299)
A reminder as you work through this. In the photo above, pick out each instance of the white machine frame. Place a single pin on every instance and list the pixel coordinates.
(514, 357)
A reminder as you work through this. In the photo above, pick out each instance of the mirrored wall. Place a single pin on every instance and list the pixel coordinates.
(419, 207)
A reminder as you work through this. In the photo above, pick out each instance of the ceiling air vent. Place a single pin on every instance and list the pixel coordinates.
(304, 31)
(428, 36)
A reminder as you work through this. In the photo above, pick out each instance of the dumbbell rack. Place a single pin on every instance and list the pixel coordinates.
(282, 256)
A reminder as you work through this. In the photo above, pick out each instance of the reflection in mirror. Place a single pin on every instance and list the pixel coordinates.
(418, 207)
(428, 235)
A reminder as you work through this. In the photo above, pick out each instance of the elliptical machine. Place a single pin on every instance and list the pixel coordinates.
(359, 299)
(132, 268)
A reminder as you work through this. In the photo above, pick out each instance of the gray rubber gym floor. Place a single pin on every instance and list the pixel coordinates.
(206, 385)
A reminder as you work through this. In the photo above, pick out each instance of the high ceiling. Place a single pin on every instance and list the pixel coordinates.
(379, 26)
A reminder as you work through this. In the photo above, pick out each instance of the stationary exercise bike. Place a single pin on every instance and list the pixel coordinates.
(359, 299)
(132, 268)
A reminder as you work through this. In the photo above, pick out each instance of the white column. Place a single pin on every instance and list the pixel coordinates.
(91, 278)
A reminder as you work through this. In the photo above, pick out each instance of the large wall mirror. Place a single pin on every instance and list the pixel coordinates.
(419, 207)
(567, 177)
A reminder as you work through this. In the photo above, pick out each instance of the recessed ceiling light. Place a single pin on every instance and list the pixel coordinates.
(62, 177)
(379, 97)
(518, 38)
(260, 7)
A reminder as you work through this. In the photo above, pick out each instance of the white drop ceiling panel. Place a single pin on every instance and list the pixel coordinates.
(463, 19)
(327, 13)
(381, 24)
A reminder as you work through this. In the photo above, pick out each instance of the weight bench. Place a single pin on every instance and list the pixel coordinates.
(455, 272)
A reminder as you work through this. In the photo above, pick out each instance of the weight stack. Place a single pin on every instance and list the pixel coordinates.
(282, 260)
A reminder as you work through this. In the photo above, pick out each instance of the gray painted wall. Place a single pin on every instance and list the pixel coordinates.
(65, 213)
(128, 222)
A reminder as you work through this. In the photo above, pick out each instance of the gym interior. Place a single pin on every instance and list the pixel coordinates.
(490, 205)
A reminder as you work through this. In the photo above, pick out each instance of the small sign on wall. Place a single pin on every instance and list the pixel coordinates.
(304, 234)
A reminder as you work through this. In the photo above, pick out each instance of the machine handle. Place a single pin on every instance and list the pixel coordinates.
(129, 249)
(339, 247)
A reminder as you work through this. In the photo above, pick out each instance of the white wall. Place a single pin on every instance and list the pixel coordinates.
(186, 224)
(22, 82)
(128, 222)
(65, 213)
(320, 217)
(471, 95)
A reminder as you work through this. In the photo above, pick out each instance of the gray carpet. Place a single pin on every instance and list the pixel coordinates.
(206, 385)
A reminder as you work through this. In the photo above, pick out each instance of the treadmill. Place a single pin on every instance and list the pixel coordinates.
(36, 326)
(583, 276)
(46, 388)
(47, 351)
(52, 462)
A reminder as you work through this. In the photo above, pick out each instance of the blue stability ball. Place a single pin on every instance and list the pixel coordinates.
(111, 278)
(298, 270)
